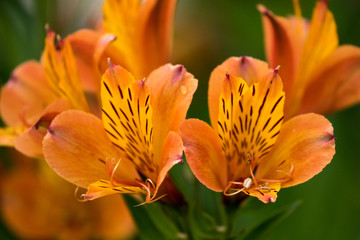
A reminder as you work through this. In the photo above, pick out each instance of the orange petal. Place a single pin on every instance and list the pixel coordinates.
(249, 69)
(155, 32)
(204, 154)
(25, 95)
(83, 44)
(304, 147)
(170, 156)
(283, 44)
(335, 84)
(30, 141)
(171, 89)
(77, 148)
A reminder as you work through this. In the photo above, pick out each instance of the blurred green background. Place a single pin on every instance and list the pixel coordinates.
(206, 33)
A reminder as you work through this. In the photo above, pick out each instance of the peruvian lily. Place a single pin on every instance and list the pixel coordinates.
(249, 149)
(36, 92)
(135, 145)
(32, 196)
(319, 75)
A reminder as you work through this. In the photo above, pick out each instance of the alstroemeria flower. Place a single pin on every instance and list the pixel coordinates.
(36, 93)
(32, 196)
(135, 145)
(319, 75)
(143, 31)
(249, 149)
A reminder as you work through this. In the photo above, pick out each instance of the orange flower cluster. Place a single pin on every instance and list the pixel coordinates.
(106, 111)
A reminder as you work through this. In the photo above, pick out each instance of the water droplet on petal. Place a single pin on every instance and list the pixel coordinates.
(183, 89)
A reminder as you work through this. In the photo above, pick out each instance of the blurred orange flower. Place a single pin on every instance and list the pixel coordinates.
(38, 204)
(135, 145)
(249, 149)
(319, 75)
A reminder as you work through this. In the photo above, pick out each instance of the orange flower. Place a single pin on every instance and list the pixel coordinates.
(135, 145)
(250, 149)
(36, 93)
(319, 75)
(32, 196)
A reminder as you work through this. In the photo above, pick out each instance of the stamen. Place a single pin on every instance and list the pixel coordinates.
(113, 172)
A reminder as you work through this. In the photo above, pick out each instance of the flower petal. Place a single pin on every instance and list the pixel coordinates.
(283, 44)
(204, 154)
(155, 32)
(335, 84)
(77, 148)
(127, 118)
(304, 147)
(170, 156)
(249, 69)
(25, 95)
(61, 71)
(83, 44)
(171, 89)
(29, 142)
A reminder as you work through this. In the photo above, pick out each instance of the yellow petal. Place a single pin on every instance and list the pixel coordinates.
(249, 69)
(62, 72)
(266, 193)
(77, 148)
(204, 154)
(127, 118)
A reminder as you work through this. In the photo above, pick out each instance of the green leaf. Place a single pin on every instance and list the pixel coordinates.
(255, 219)
(153, 221)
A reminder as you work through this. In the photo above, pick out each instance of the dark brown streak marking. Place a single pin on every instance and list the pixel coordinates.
(116, 131)
(112, 135)
(130, 109)
(251, 111)
(107, 115)
(147, 109)
(147, 100)
(232, 100)
(121, 148)
(220, 137)
(253, 92)
(129, 91)
(107, 88)
(240, 105)
(276, 123)
(222, 128)
(124, 126)
(267, 122)
(241, 125)
(101, 160)
(130, 128)
(121, 93)
(277, 133)
(236, 129)
(127, 119)
(281, 163)
(267, 148)
(223, 103)
(146, 126)
(262, 105)
(115, 111)
(260, 192)
(277, 102)
(246, 120)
